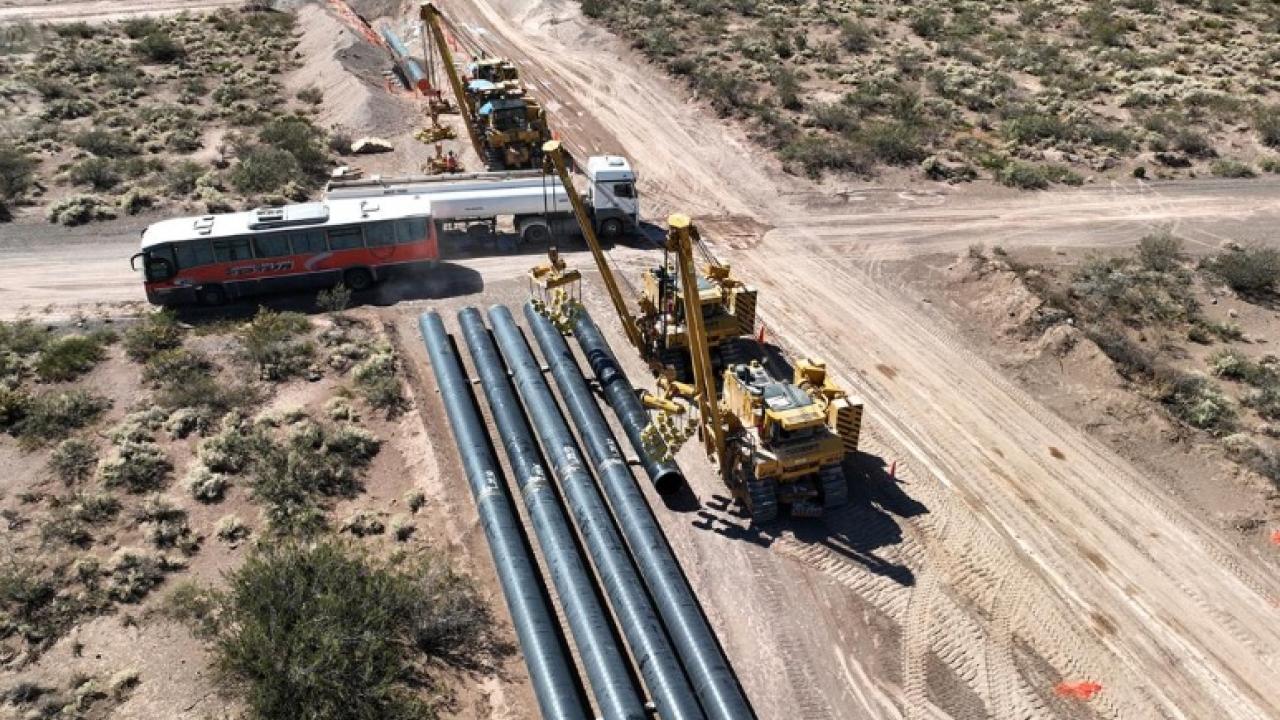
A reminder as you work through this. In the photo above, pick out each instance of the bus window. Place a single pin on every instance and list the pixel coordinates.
(194, 253)
(379, 234)
(411, 230)
(231, 249)
(271, 245)
(345, 238)
(308, 242)
(624, 190)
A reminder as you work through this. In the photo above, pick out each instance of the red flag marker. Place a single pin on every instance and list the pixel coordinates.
(760, 335)
(1084, 690)
(1275, 537)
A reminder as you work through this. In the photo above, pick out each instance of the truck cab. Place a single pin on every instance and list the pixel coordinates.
(611, 195)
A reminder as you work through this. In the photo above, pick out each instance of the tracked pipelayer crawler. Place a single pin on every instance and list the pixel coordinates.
(507, 127)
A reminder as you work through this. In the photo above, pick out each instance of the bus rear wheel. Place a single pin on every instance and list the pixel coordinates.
(358, 279)
(211, 296)
(535, 234)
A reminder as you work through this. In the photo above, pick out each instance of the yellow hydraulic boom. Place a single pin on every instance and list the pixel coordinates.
(430, 15)
(553, 158)
(681, 236)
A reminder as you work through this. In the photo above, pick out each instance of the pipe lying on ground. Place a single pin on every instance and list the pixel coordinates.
(621, 396)
(605, 664)
(708, 669)
(650, 647)
(408, 65)
(550, 669)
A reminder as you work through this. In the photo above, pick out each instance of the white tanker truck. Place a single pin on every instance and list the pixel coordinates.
(535, 204)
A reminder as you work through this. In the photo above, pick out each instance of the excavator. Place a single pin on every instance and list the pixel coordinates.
(777, 443)
(505, 125)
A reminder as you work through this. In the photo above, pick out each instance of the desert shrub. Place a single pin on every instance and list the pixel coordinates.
(100, 173)
(136, 466)
(23, 337)
(894, 143)
(106, 143)
(402, 528)
(1023, 176)
(377, 382)
(175, 365)
(277, 343)
(60, 527)
(152, 334)
(334, 299)
(231, 529)
(139, 27)
(311, 95)
(73, 460)
(1235, 365)
(134, 574)
(136, 200)
(80, 30)
(32, 606)
(234, 447)
(1248, 270)
(206, 485)
(94, 508)
(69, 357)
(1118, 288)
(927, 22)
(1265, 400)
(855, 36)
(159, 46)
(301, 139)
(1100, 24)
(1160, 251)
(53, 415)
(1230, 168)
(1196, 401)
(17, 173)
(68, 109)
(79, 210)
(264, 170)
(815, 154)
(326, 630)
(180, 179)
(291, 477)
(363, 523)
(1267, 123)
(165, 525)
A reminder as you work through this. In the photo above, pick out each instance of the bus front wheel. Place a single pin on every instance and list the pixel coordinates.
(358, 279)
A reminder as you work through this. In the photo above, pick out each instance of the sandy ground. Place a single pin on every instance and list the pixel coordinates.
(1012, 550)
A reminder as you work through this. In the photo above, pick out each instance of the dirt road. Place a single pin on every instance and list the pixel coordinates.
(1010, 552)
(1042, 555)
(13, 11)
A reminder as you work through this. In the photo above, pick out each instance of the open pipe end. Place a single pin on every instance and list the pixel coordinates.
(668, 482)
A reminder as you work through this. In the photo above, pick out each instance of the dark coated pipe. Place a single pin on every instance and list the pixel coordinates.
(664, 474)
(605, 664)
(649, 644)
(713, 679)
(550, 669)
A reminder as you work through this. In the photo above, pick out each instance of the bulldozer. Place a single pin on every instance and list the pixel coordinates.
(777, 443)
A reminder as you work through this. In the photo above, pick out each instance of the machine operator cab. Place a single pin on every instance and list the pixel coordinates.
(611, 194)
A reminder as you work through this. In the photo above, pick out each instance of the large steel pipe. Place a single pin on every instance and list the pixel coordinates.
(605, 663)
(713, 679)
(621, 396)
(550, 669)
(408, 65)
(649, 644)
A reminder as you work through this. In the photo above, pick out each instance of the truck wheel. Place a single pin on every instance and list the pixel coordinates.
(611, 228)
(358, 279)
(211, 296)
(535, 234)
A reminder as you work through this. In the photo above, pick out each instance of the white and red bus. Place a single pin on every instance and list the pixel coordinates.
(215, 258)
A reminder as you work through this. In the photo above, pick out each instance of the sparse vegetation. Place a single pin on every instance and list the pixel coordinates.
(1248, 270)
(377, 381)
(1086, 85)
(278, 343)
(68, 357)
(325, 630)
(73, 461)
(137, 466)
(154, 333)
